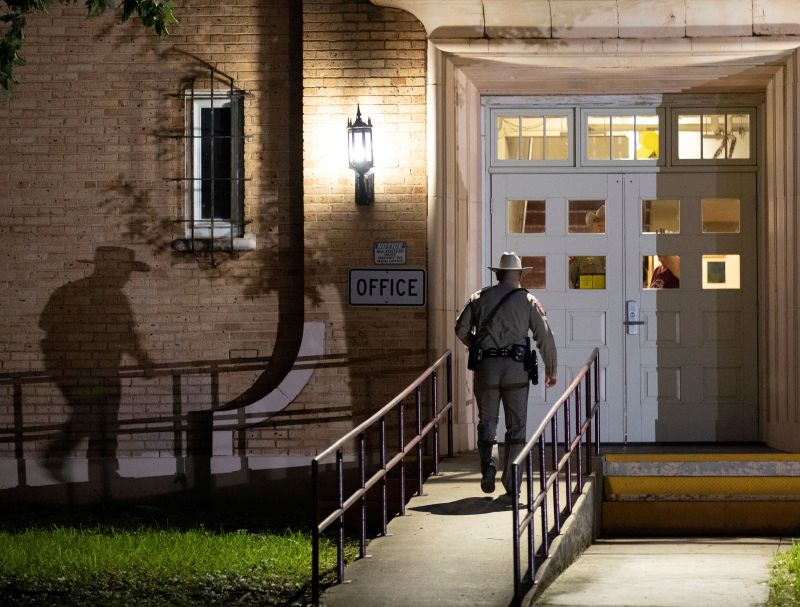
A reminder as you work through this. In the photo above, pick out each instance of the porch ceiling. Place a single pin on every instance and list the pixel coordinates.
(611, 46)
(581, 76)
(602, 18)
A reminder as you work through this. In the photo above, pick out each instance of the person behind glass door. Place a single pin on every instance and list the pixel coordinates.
(500, 374)
(668, 274)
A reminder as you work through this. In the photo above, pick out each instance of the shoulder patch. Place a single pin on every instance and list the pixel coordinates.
(536, 304)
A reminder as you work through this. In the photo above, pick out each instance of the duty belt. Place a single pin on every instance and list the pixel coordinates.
(498, 353)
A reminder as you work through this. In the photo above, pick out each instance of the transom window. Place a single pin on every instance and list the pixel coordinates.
(534, 137)
(611, 136)
(632, 137)
(713, 135)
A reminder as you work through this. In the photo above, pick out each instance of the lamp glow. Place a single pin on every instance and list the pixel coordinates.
(359, 149)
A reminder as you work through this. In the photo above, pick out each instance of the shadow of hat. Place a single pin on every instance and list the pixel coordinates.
(118, 258)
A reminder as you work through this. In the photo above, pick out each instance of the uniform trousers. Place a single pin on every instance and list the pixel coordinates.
(501, 379)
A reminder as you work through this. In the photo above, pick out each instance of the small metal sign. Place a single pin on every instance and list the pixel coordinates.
(389, 287)
(390, 252)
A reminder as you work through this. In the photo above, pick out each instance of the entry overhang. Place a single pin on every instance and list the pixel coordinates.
(602, 18)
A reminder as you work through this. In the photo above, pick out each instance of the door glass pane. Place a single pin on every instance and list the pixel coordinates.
(721, 272)
(587, 216)
(713, 135)
(587, 272)
(738, 136)
(720, 215)
(526, 216)
(689, 139)
(532, 138)
(661, 216)
(646, 137)
(557, 138)
(508, 137)
(623, 137)
(661, 272)
(536, 278)
(599, 136)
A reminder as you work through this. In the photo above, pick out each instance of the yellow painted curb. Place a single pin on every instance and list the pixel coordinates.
(701, 485)
(702, 518)
(701, 457)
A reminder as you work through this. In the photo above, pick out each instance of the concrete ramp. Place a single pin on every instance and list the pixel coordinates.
(453, 547)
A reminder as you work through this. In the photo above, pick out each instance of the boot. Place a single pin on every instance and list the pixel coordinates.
(488, 466)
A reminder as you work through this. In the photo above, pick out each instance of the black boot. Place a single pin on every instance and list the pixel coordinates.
(488, 466)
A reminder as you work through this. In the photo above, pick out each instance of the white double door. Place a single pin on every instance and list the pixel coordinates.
(688, 372)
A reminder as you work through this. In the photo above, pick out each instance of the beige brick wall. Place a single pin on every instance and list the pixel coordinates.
(356, 53)
(87, 163)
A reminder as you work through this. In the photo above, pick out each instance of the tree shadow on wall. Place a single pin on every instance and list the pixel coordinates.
(89, 326)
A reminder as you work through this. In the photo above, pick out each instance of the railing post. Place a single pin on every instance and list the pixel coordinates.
(515, 535)
(579, 450)
(531, 546)
(434, 404)
(449, 401)
(402, 444)
(384, 493)
(314, 531)
(362, 479)
(556, 487)
(19, 434)
(340, 539)
(597, 401)
(420, 472)
(567, 441)
(588, 408)
(543, 487)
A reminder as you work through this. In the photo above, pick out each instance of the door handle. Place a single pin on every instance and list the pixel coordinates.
(632, 321)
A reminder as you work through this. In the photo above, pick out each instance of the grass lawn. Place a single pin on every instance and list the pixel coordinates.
(784, 582)
(106, 565)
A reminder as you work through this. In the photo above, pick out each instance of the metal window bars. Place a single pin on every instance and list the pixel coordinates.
(396, 405)
(550, 480)
(205, 234)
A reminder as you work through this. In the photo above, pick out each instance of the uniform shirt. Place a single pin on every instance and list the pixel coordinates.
(510, 325)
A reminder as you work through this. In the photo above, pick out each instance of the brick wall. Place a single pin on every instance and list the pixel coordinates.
(87, 164)
(356, 53)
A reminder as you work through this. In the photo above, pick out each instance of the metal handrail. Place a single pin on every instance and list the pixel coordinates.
(546, 483)
(365, 484)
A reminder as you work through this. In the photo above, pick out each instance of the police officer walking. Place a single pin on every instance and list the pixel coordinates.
(494, 325)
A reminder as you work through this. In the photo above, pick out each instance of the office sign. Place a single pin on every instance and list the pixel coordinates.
(386, 287)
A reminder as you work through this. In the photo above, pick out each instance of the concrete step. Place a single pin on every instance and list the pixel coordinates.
(688, 494)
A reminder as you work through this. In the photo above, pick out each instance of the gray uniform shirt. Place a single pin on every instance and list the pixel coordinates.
(510, 324)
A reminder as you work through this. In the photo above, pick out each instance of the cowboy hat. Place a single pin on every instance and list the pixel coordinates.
(117, 257)
(510, 261)
(593, 216)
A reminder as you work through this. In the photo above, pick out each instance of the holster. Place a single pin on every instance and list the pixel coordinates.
(474, 358)
(531, 364)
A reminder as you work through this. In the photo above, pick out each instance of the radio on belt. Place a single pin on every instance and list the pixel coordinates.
(387, 287)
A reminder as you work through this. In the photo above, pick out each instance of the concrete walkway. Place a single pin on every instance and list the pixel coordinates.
(454, 548)
(674, 572)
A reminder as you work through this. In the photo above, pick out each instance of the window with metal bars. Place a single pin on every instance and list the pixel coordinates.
(214, 136)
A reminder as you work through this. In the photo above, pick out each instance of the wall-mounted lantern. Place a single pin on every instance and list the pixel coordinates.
(359, 152)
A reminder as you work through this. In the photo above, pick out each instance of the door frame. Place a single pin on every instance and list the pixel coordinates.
(461, 76)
